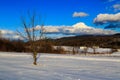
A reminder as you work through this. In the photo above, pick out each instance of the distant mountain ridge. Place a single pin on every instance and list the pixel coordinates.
(111, 41)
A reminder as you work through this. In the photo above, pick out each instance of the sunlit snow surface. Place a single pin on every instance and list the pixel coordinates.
(18, 66)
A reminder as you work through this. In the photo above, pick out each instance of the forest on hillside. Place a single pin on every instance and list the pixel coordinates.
(46, 46)
(106, 41)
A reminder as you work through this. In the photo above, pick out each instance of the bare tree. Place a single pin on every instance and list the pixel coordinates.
(0, 34)
(31, 34)
(85, 50)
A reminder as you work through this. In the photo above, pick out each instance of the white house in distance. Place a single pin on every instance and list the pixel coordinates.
(84, 49)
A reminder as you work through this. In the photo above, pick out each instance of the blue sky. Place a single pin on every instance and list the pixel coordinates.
(55, 12)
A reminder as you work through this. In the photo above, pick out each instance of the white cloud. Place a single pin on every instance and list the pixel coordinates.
(81, 25)
(107, 1)
(9, 34)
(116, 7)
(77, 29)
(3, 32)
(80, 14)
(111, 0)
(106, 18)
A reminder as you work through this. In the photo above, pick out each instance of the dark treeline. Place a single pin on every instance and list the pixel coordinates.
(106, 41)
(46, 46)
(12, 45)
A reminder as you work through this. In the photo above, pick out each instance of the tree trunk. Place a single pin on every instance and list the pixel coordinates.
(35, 58)
(94, 50)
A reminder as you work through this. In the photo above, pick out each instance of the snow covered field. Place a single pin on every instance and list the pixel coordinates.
(15, 66)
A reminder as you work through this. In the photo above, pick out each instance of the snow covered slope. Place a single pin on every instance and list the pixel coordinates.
(15, 66)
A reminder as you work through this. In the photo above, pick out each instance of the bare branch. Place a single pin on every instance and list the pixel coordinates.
(21, 35)
(26, 29)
